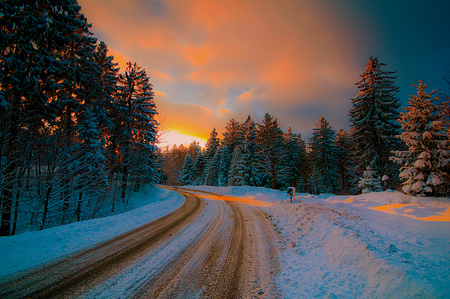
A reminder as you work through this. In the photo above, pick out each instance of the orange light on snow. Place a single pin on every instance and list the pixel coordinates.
(415, 211)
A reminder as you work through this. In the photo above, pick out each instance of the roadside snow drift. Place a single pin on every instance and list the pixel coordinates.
(32, 249)
(375, 245)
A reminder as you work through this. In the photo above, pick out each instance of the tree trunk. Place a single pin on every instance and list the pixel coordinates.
(9, 177)
(78, 211)
(45, 212)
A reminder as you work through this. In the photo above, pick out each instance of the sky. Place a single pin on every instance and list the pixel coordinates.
(211, 61)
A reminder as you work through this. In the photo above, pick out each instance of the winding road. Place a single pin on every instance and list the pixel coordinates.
(214, 246)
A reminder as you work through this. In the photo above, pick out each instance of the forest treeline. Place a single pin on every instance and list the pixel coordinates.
(384, 149)
(76, 136)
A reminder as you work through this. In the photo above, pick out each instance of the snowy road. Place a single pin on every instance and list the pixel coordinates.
(213, 246)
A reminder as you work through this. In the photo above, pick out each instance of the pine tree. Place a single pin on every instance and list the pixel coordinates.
(187, 173)
(302, 184)
(423, 165)
(199, 169)
(346, 163)
(231, 138)
(324, 158)
(212, 173)
(270, 141)
(36, 80)
(136, 126)
(237, 168)
(374, 119)
(250, 159)
(210, 158)
(370, 182)
(292, 162)
(223, 165)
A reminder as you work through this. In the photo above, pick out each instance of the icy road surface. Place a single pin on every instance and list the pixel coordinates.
(213, 246)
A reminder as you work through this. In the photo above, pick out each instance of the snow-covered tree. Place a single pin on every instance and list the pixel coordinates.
(348, 175)
(37, 66)
(199, 166)
(370, 181)
(270, 141)
(237, 168)
(136, 126)
(293, 161)
(324, 158)
(428, 154)
(250, 154)
(211, 159)
(232, 137)
(374, 119)
(187, 173)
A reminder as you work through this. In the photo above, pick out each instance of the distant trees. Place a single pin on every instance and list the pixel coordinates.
(343, 162)
(68, 130)
(262, 156)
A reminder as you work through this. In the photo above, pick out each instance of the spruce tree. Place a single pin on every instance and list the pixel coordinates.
(250, 155)
(210, 159)
(270, 141)
(424, 164)
(324, 158)
(199, 169)
(370, 182)
(231, 138)
(36, 79)
(348, 176)
(187, 173)
(292, 163)
(374, 119)
(136, 126)
(223, 165)
(237, 168)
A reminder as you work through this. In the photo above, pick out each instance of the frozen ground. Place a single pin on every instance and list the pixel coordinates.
(365, 246)
(31, 249)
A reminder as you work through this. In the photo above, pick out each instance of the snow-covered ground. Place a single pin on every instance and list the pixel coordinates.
(31, 249)
(367, 246)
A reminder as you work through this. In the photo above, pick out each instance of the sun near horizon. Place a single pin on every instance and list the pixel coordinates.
(173, 137)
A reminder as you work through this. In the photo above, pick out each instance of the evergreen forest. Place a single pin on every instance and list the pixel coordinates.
(78, 135)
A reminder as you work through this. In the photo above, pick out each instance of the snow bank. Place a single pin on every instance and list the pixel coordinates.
(31, 249)
(380, 244)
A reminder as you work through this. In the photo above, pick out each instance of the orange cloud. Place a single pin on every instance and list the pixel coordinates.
(213, 14)
(160, 75)
(199, 56)
(120, 58)
(285, 54)
(159, 94)
(245, 95)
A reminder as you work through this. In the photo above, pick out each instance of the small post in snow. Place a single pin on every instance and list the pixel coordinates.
(384, 181)
(291, 193)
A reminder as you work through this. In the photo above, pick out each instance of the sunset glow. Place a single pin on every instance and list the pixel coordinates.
(174, 137)
(211, 61)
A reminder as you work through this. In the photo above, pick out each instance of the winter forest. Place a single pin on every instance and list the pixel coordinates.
(77, 134)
